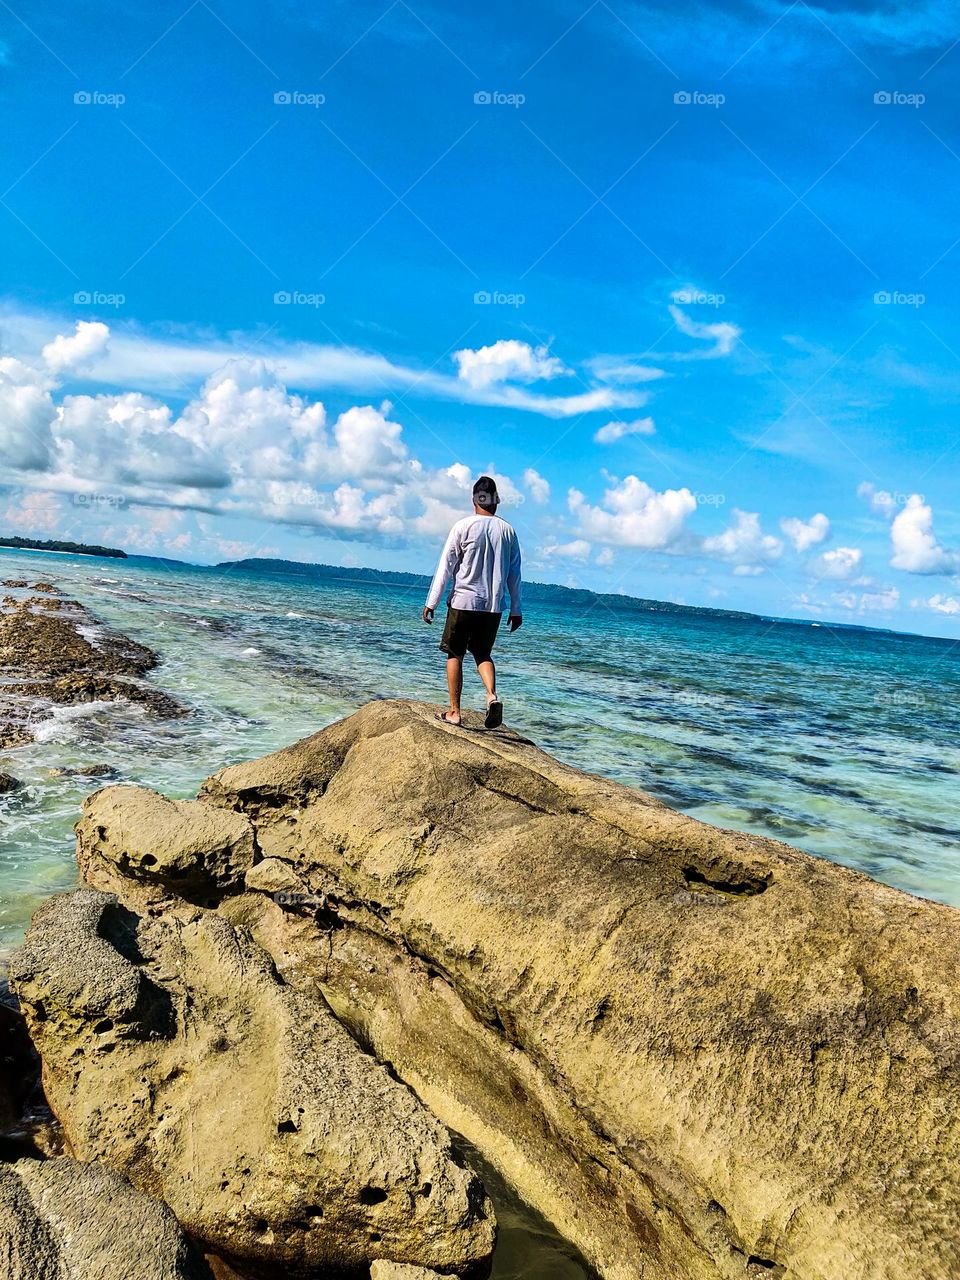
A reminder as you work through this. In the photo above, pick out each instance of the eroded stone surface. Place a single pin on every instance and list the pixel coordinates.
(61, 1220)
(172, 1051)
(133, 832)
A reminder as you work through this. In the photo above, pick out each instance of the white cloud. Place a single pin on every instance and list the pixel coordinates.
(34, 512)
(614, 431)
(579, 549)
(604, 557)
(83, 347)
(565, 406)
(621, 369)
(632, 514)
(806, 534)
(508, 360)
(880, 501)
(26, 414)
(915, 547)
(840, 562)
(141, 361)
(868, 601)
(721, 334)
(537, 486)
(744, 545)
(242, 446)
(939, 603)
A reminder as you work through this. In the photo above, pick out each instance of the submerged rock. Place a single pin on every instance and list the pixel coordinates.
(60, 1220)
(50, 656)
(87, 686)
(8, 783)
(172, 1051)
(84, 771)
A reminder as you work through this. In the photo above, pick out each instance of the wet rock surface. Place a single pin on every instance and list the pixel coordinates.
(53, 651)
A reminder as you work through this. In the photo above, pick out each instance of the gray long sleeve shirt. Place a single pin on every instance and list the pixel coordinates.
(482, 556)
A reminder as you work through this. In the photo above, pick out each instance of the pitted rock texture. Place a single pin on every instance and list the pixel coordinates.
(172, 1051)
(134, 832)
(61, 1220)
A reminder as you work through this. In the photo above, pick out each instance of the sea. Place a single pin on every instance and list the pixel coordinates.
(841, 741)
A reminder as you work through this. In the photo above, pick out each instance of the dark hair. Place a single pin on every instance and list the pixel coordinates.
(485, 492)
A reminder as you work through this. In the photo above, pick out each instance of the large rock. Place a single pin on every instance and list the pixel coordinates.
(700, 1053)
(60, 1220)
(133, 832)
(172, 1051)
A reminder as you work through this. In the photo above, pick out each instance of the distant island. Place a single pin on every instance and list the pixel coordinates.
(70, 548)
(535, 592)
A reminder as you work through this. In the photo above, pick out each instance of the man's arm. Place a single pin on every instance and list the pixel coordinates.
(446, 567)
(514, 585)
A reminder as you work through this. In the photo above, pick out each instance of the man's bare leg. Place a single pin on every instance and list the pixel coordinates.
(488, 674)
(455, 688)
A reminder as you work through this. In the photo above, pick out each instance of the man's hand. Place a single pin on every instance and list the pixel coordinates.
(516, 621)
(427, 614)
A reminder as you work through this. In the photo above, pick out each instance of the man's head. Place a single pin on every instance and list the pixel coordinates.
(485, 496)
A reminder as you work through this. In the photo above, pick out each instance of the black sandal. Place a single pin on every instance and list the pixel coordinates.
(442, 716)
(494, 716)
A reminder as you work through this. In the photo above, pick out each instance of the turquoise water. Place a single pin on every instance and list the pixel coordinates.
(841, 742)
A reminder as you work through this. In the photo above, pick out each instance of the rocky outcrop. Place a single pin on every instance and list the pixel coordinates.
(132, 832)
(172, 1051)
(698, 1053)
(54, 651)
(60, 1220)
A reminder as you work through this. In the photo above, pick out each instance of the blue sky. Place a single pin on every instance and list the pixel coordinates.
(280, 279)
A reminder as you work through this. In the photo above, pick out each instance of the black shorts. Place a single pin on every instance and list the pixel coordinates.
(469, 629)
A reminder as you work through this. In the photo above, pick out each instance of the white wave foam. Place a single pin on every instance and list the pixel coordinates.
(62, 724)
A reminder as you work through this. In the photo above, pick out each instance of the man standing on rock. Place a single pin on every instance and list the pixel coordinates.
(482, 557)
